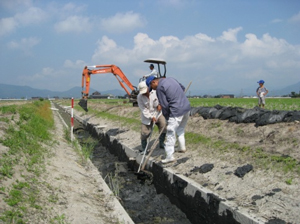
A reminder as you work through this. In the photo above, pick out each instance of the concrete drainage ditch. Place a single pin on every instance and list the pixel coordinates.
(171, 198)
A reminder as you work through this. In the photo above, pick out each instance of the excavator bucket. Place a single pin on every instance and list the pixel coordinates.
(83, 104)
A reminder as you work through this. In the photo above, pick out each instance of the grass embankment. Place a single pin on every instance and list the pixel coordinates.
(27, 131)
(256, 156)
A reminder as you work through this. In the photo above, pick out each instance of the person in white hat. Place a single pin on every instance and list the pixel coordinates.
(150, 108)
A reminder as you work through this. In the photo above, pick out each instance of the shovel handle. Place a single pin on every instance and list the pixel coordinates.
(152, 148)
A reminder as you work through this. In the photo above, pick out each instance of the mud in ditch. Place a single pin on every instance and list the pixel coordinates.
(139, 198)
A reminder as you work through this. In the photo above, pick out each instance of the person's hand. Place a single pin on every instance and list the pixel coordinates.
(153, 119)
(159, 107)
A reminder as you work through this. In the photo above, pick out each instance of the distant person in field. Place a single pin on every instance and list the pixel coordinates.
(152, 73)
(261, 92)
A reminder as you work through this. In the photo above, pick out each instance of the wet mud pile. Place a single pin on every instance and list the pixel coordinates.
(138, 197)
(238, 115)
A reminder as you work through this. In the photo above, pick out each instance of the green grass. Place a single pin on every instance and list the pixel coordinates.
(85, 150)
(258, 157)
(287, 104)
(25, 138)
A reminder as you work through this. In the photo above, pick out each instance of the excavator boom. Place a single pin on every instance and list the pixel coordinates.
(100, 69)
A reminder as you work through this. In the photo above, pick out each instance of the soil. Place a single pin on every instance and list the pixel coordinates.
(69, 192)
(265, 191)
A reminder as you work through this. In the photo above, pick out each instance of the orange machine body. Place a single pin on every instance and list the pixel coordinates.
(99, 69)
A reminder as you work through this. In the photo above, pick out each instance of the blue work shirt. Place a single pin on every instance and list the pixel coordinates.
(172, 98)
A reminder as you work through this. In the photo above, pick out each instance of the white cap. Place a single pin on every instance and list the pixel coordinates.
(143, 87)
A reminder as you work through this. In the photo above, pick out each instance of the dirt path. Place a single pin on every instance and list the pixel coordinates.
(67, 192)
(83, 196)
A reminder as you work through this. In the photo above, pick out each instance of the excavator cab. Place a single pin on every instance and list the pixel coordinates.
(160, 63)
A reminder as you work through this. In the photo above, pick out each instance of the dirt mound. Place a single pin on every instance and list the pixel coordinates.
(271, 151)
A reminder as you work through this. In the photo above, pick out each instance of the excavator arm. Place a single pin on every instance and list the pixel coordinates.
(101, 69)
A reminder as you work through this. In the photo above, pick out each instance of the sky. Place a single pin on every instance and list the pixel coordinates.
(216, 44)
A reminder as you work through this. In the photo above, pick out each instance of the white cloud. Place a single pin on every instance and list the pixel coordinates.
(276, 21)
(25, 44)
(33, 15)
(75, 24)
(123, 22)
(172, 3)
(77, 64)
(13, 4)
(200, 57)
(264, 47)
(7, 25)
(72, 8)
(230, 34)
(295, 18)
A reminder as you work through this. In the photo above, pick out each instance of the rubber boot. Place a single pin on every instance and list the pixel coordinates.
(144, 144)
(181, 144)
(162, 140)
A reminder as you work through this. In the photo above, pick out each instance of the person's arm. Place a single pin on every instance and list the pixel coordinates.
(267, 91)
(152, 73)
(182, 87)
(163, 102)
(144, 110)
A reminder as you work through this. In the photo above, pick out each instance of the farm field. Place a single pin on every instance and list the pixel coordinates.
(248, 103)
(273, 151)
(270, 191)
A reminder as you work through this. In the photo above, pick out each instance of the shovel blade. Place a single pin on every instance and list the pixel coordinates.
(83, 104)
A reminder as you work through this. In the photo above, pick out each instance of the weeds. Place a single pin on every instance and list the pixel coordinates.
(24, 139)
(114, 184)
(59, 219)
(259, 157)
(85, 150)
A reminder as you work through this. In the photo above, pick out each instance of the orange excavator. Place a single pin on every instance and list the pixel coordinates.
(117, 72)
(120, 76)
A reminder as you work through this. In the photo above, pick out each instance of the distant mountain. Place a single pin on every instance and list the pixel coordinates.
(212, 92)
(115, 92)
(13, 91)
(287, 90)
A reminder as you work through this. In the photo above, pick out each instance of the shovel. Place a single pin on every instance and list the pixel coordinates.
(146, 148)
(143, 174)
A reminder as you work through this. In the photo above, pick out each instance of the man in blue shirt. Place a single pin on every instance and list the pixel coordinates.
(175, 108)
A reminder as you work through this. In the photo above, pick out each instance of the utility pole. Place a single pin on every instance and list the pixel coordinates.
(241, 93)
